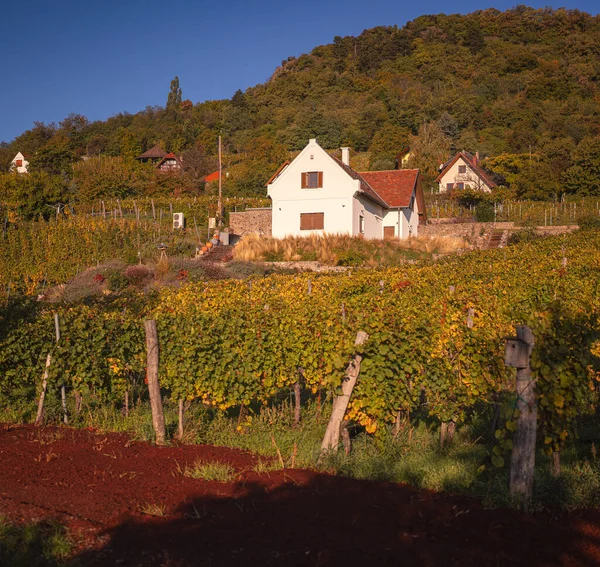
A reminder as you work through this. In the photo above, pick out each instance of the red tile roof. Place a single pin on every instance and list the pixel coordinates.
(471, 161)
(276, 174)
(365, 187)
(214, 176)
(395, 187)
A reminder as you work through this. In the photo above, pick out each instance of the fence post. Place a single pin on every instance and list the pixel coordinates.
(297, 400)
(158, 418)
(518, 353)
(340, 404)
(40, 410)
(63, 389)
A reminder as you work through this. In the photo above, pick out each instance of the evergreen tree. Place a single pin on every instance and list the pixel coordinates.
(174, 98)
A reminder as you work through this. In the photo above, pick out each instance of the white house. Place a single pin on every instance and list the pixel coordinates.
(317, 193)
(463, 172)
(19, 163)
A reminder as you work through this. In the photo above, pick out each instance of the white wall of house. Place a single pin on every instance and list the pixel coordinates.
(19, 168)
(404, 220)
(392, 218)
(335, 199)
(410, 223)
(469, 179)
(372, 215)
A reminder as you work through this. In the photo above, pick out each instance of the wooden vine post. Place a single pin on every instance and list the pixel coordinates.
(297, 400)
(340, 403)
(158, 418)
(522, 466)
(63, 389)
(40, 410)
(180, 421)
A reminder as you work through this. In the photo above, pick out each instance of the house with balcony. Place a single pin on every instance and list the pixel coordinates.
(463, 172)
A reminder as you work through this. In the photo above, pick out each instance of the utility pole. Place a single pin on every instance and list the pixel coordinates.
(219, 205)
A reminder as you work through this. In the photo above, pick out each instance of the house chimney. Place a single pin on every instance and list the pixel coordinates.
(346, 156)
(477, 157)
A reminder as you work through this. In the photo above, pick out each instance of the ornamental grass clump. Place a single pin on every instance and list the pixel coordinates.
(343, 250)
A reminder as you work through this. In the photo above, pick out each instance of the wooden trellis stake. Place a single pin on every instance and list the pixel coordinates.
(158, 418)
(340, 403)
(518, 353)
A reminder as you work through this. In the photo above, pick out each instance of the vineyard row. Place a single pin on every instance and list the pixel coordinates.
(436, 337)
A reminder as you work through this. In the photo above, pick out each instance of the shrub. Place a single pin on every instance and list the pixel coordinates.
(525, 235)
(467, 197)
(117, 281)
(241, 270)
(273, 256)
(589, 222)
(350, 258)
(484, 212)
(138, 275)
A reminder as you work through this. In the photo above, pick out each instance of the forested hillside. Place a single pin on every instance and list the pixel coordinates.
(520, 87)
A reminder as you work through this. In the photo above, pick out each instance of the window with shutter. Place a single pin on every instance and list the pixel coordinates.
(312, 221)
(312, 180)
(305, 221)
(318, 221)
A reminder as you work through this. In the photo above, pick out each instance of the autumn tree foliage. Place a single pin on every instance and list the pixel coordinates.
(522, 82)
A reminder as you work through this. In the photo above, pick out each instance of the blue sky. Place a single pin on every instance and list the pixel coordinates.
(101, 58)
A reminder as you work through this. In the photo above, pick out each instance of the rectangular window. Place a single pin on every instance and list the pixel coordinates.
(361, 224)
(460, 185)
(312, 221)
(312, 180)
(462, 169)
(449, 186)
(19, 162)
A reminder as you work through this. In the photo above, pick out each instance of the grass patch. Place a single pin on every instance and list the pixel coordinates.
(271, 428)
(157, 510)
(413, 456)
(44, 544)
(210, 470)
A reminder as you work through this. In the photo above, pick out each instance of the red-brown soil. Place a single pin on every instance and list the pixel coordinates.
(98, 483)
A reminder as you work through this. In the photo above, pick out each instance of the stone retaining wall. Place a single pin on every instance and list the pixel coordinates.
(251, 221)
(477, 234)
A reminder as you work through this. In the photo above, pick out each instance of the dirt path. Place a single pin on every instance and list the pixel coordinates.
(97, 484)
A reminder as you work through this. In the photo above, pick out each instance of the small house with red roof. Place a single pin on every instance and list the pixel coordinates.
(19, 163)
(317, 193)
(214, 176)
(170, 162)
(464, 172)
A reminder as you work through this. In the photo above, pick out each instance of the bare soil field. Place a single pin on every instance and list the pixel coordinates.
(102, 486)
